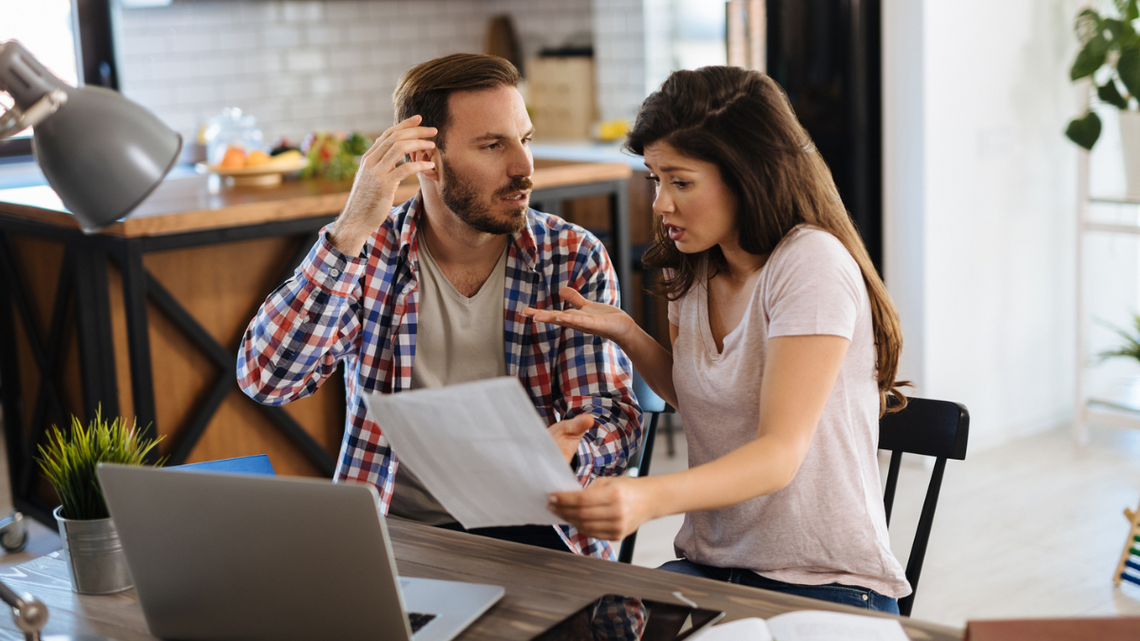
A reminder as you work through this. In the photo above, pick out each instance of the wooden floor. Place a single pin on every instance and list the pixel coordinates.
(1033, 528)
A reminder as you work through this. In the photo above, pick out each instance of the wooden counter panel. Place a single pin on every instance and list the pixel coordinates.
(223, 286)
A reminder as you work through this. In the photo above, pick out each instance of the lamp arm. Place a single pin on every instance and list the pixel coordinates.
(16, 119)
(29, 613)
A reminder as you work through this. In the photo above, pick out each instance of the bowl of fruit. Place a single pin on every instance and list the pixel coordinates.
(255, 168)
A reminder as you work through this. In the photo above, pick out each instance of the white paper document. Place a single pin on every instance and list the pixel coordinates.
(480, 448)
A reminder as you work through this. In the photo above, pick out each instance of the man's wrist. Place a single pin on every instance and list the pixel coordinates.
(348, 237)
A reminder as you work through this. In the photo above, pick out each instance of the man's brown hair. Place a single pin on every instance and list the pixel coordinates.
(425, 88)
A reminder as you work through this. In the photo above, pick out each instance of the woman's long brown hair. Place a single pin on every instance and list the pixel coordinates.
(741, 121)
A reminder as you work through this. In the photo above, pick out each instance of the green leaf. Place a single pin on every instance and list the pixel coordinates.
(1119, 31)
(1128, 68)
(1087, 25)
(1091, 57)
(1084, 130)
(1127, 9)
(1111, 95)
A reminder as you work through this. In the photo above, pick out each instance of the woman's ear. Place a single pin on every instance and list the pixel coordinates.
(431, 155)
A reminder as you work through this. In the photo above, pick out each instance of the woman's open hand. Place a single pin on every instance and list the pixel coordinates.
(587, 316)
(611, 508)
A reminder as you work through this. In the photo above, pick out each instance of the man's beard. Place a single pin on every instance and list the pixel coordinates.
(462, 198)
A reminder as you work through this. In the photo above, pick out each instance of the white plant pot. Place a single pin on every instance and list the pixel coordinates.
(1130, 146)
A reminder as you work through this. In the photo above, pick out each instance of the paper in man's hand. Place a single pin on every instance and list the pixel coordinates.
(480, 448)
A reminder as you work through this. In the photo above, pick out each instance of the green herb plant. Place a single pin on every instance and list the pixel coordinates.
(1130, 348)
(69, 460)
(1110, 57)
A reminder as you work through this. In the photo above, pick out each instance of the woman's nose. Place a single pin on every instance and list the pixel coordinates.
(662, 204)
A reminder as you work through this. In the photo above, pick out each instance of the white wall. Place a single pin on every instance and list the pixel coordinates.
(981, 205)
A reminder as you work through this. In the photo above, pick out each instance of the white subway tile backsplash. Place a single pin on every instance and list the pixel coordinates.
(340, 11)
(195, 93)
(302, 64)
(307, 11)
(367, 32)
(324, 34)
(254, 12)
(281, 36)
(301, 60)
(260, 62)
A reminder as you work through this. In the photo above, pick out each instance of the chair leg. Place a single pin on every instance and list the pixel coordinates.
(922, 536)
(625, 555)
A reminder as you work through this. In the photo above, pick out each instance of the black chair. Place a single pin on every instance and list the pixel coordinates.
(930, 428)
(652, 407)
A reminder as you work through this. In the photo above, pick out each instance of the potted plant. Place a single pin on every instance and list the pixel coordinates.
(1130, 348)
(1110, 58)
(69, 460)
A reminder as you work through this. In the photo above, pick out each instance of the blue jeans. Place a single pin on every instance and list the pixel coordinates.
(834, 592)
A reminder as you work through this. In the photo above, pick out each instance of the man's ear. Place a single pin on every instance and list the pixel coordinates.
(431, 155)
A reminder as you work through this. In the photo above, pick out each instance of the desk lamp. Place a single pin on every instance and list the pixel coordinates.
(102, 153)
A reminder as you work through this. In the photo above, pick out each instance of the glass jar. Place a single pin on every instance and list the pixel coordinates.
(231, 128)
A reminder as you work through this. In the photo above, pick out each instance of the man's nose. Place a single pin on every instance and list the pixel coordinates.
(521, 163)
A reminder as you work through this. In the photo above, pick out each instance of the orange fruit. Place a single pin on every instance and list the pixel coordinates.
(234, 158)
(256, 158)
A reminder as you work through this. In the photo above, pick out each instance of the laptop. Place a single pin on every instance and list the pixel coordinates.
(225, 556)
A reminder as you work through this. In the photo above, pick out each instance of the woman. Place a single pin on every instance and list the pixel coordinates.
(784, 350)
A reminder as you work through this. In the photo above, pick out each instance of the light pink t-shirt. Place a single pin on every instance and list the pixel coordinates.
(828, 524)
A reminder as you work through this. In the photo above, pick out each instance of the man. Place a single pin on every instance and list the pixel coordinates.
(431, 292)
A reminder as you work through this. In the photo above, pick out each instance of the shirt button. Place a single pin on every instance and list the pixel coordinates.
(334, 272)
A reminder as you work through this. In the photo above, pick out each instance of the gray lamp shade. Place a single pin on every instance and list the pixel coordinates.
(103, 154)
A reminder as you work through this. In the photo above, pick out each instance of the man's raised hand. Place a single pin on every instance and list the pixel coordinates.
(382, 169)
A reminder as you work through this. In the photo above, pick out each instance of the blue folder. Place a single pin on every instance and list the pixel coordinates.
(258, 464)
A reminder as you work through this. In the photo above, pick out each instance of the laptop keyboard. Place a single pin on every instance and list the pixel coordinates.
(419, 620)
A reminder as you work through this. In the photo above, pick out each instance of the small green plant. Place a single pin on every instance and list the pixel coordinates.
(1130, 348)
(1110, 52)
(69, 461)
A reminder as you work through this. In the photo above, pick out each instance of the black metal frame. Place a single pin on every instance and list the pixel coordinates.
(82, 298)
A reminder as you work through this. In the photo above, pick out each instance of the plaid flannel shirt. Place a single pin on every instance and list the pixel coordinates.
(363, 311)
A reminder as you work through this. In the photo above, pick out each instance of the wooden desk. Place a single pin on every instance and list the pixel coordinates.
(542, 586)
(144, 318)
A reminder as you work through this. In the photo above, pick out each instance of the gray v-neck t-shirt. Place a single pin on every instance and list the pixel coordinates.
(458, 339)
(828, 525)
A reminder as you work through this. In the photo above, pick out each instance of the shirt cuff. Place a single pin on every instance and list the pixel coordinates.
(330, 270)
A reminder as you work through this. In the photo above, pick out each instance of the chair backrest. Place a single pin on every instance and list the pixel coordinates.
(258, 464)
(652, 407)
(931, 428)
